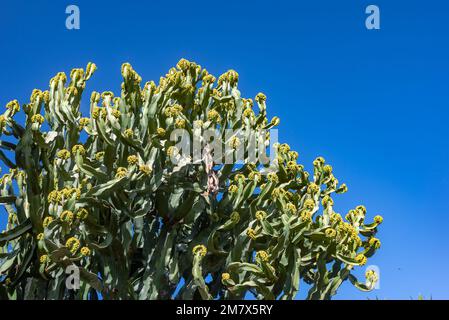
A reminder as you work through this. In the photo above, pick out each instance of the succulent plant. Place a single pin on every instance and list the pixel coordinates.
(102, 193)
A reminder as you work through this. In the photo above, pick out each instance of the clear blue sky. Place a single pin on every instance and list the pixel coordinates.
(373, 103)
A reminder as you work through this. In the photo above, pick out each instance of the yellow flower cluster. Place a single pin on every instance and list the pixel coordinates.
(172, 151)
(361, 209)
(277, 193)
(128, 133)
(200, 250)
(378, 219)
(233, 189)
(72, 244)
(248, 113)
(121, 172)
(2, 121)
(292, 167)
(83, 122)
(66, 193)
(173, 111)
(371, 276)
(37, 118)
(85, 251)
(213, 116)
(67, 216)
(47, 221)
(275, 121)
(180, 124)
(231, 76)
(361, 259)
(347, 228)
(309, 204)
(13, 106)
(63, 154)
(116, 113)
(251, 233)
(132, 160)
(145, 169)
(95, 112)
(60, 77)
(262, 255)
(343, 188)
(78, 148)
(254, 175)
(160, 132)
(209, 79)
(336, 218)
(327, 169)
(330, 233)
(318, 162)
(284, 148)
(261, 215)
(35, 94)
(183, 64)
(198, 124)
(260, 97)
(290, 207)
(99, 155)
(306, 215)
(82, 214)
(374, 242)
(225, 276)
(44, 259)
(273, 177)
(313, 188)
(327, 201)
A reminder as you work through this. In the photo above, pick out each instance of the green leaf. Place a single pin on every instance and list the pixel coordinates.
(16, 232)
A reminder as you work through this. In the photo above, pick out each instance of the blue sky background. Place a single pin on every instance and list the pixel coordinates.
(373, 103)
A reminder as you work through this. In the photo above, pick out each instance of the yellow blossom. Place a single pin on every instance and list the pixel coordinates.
(225, 276)
(37, 118)
(128, 133)
(47, 221)
(72, 244)
(78, 148)
(13, 106)
(260, 97)
(145, 169)
(251, 233)
(262, 255)
(213, 116)
(44, 259)
(82, 213)
(132, 160)
(99, 155)
(63, 154)
(160, 132)
(378, 219)
(121, 172)
(361, 259)
(85, 251)
(261, 215)
(200, 250)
